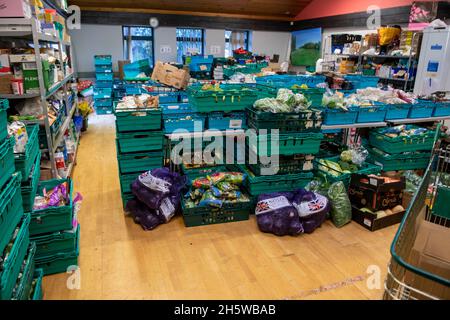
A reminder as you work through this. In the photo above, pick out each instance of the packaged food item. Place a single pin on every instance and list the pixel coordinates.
(18, 130)
(208, 199)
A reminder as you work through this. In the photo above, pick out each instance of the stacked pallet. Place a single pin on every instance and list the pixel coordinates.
(19, 279)
(103, 101)
(139, 142)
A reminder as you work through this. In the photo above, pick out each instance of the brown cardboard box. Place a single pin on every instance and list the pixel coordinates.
(121, 63)
(5, 83)
(430, 253)
(170, 75)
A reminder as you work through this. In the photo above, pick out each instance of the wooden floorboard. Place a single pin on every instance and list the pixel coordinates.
(118, 260)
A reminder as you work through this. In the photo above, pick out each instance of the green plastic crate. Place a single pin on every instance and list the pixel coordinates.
(306, 121)
(286, 165)
(126, 197)
(52, 243)
(25, 161)
(140, 161)
(288, 144)
(4, 105)
(231, 98)
(367, 168)
(59, 262)
(7, 166)
(400, 161)
(54, 218)
(230, 212)
(423, 142)
(36, 286)
(126, 180)
(13, 263)
(202, 171)
(23, 287)
(440, 206)
(11, 209)
(139, 141)
(29, 188)
(257, 185)
(137, 119)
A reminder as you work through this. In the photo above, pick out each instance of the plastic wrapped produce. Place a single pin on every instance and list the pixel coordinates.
(153, 186)
(18, 130)
(312, 209)
(275, 214)
(143, 215)
(341, 208)
(286, 96)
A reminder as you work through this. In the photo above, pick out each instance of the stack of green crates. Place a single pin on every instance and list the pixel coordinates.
(55, 232)
(139, 142)
(103, 90)
(17, 253)
(292, 138)
(402, 152)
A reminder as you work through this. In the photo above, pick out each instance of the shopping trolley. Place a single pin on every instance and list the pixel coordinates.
(430, 203)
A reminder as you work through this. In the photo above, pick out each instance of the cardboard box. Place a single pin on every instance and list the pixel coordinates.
(430, 253)
(374, 192)
(5, 67)
(30, 80)
(372, 223)
(20, 58)
(170, 75)
(15, 9)
(5, 83)
(121, 63)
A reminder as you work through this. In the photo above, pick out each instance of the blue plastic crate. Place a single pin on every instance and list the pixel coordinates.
(129, 91)
(132, 70)
(104, 76)
(441, 109)
(104, 110)
(422, 109)
(224, 121)
(201, 63)
(340, 117)
(362, 81)
(103, 84)
(176, 108)
(102, 60)
(104, 69)
(397, 111)
(103, 102)
(102, 93)
(191, 122)
(169, 97)
(371, 114)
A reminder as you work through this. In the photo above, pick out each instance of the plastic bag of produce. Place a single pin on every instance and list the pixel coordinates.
(143, 215)
(287, 97)
(153, 186)
(341, 208)
(18, 130)
(312, 209)
(275, 214)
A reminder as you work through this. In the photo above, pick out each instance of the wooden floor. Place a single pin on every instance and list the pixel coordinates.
(118, 260)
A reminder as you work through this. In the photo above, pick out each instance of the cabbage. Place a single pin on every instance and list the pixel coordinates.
(341, 208)
(286, 96)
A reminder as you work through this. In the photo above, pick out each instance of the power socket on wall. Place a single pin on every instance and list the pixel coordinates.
(214, 49)
(165, 49)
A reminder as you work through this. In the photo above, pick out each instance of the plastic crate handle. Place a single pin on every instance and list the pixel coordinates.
(141, 157)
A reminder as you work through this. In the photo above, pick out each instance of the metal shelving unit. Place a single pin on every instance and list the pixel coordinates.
(27, 29)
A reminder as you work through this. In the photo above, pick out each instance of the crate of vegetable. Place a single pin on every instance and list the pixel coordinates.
(180, 116)
(286, 164)
(257, 185)
(402, 138)
(400, 161)
(140, 113)
(342, 167)
(286, 111)
(225, 98)
(216, 198)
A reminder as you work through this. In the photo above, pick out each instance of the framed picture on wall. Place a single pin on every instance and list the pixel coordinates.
(305, 47)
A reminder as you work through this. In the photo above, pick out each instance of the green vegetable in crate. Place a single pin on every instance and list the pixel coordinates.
(348, 167)
(341, 208)
(330, 167)
(346, 156)
(286, 96)
(334, 101)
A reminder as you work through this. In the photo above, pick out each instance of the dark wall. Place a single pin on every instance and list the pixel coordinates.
(127, 18)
